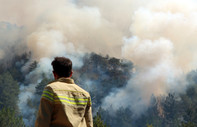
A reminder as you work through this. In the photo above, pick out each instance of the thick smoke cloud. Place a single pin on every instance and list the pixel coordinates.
(173, 20)
(158, 36)
(162, 47)
(83, 26)
(155, 74)
(11, 40)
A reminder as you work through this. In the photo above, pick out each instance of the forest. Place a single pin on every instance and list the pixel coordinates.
(99, 75)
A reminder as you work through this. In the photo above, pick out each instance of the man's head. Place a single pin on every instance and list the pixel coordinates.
(62, 67)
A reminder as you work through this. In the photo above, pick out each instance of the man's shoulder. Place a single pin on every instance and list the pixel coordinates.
(50, 84)
(78, 88)
(63, 86)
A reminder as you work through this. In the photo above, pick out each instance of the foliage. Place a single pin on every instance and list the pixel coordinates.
(189, 124)
(120, 118)
(15, 65)
(100, 75)
(98, 122)
(170, 111)
(8, 118)
(9, 90)
(149, 125)
(42, 84)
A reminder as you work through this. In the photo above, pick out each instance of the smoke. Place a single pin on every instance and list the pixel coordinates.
(155, 75)
(173, 20)
(12, 40)
(162, 48)
(27, 110)
(158, 36)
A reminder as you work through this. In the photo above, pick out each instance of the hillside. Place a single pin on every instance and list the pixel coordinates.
(100, 75)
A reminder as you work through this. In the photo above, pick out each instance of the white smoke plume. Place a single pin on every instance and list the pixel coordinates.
(9, 35)
(25, 97)
(162, 48)
(158, 36)
(155, 74)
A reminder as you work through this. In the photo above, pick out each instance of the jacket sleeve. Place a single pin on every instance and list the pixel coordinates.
(88, 115)
(45, 109)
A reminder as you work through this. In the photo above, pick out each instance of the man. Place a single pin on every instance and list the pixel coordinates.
(63, 103)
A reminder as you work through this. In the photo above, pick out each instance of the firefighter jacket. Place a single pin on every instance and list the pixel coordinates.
(64, 104)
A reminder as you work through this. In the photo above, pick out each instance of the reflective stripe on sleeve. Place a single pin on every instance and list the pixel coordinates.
(48, 95)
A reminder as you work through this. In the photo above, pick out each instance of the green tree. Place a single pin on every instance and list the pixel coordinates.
(9, 90)
(189, 106)
(154, 113)
(9, 118)
(189, 124)
(149, 125)
(123, 117)
(189, 101)
(171, 111)
(42, 84)
(98, 122)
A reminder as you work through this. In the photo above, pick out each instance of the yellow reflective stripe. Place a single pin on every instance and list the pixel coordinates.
(45, 91)
(68, 91)
(72, 99)
(48, 97)
(75, 103)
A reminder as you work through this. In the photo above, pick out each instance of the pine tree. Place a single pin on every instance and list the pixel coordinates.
(98, 122)
(189, 124)
(149, 125)
(9, 118)
(9, 90)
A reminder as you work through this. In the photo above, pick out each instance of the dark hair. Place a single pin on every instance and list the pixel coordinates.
(62, 66)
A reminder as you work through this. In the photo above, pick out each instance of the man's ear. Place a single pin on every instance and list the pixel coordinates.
(71, 73)
(55, 75)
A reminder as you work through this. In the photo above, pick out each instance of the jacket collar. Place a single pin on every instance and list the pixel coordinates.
(66, 80)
